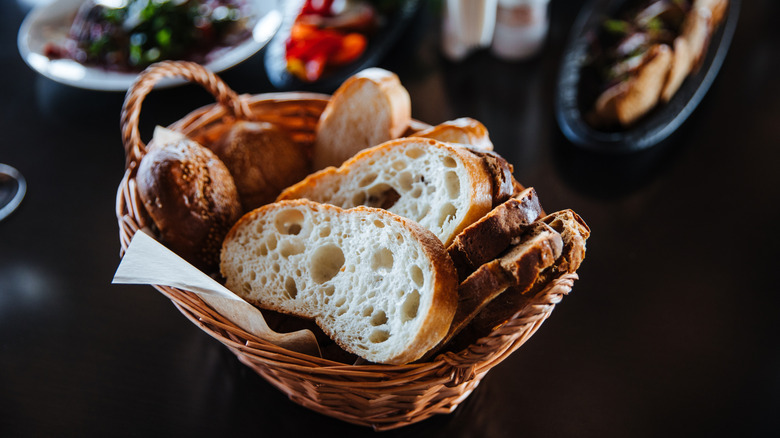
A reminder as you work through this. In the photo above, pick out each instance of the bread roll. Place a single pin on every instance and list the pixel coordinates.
(263, 160)
(191, 198)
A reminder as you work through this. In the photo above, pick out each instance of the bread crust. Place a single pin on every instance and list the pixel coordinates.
(464, 130)
(487, 238)
(191, 198)
(574, 233)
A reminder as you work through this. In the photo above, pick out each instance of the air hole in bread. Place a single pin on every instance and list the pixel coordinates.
(271, 242)
(405, 179)
(379, 318)
(368, 311)
(416, 193)
(289, 221)
(379, 224)
(417, 275)
(381, 195)
(276, 267)
(261, 251)
(414, 153)
(291, 247)
(452, 183)
(379, 336)
(410, 306)
(325, 263)
(328, 290)
(247, 288)
(259, 227)
(367, 180)
(324, 231)
(382, 259)
(359, 198)
(240, 269)
(449, 162)
(340, 301)
(263, 280)
(253, 276)
(290, 288)
(446, 214)
(399, 165)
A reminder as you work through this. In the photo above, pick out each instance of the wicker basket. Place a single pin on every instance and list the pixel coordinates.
(380, 396)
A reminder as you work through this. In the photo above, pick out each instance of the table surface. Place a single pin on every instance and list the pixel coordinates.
(670, 331)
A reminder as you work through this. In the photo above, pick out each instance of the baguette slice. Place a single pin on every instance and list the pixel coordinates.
(492, 234)
(464, 130)
(379, 285)
(369, 108)
(518, 268)
(574, 233)
(443, 187)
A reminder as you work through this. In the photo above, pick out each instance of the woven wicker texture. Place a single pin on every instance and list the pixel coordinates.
(378, 396)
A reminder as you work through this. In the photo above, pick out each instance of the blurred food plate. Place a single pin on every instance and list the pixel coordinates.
(572, 103)
(392, 19)
(49, 24)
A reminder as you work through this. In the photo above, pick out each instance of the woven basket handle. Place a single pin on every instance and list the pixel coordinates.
(147, 79)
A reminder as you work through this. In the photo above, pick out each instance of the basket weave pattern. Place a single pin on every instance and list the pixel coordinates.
(379, 396)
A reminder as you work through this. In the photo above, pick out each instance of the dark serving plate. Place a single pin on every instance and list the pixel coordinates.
(378, 45)
(655, 126)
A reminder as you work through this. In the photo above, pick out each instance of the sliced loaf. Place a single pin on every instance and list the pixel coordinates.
(443, 187)
(379, 285)
(487, 238)
(369, 108)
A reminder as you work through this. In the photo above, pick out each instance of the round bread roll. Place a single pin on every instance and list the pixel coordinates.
(263, 160)
(191, 198)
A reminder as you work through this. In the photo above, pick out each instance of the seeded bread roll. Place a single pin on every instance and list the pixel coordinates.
(369, 108)
(191, 198)
(379, 285)
(263, 160)
(443, 187)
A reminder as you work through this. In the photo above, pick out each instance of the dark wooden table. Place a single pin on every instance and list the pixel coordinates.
(672, 329)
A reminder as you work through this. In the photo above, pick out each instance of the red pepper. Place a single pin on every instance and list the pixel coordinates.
(352, 46)
(318, 7)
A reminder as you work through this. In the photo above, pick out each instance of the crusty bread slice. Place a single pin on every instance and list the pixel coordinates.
(443, 187)
(369, 108)
(379, 285)
(519, 268)
(574, 233)
(463, 130)
(487, 238)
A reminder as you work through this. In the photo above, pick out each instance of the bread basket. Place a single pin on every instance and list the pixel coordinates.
(379, 396)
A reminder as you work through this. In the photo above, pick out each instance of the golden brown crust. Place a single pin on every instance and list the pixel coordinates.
(487, 238)
(574, 233)
(464, 130)
(519, 268)
(263, 160)
(191, 198)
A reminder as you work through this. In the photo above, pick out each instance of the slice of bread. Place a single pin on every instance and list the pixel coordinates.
(369, 108)
(443, 187)
(574, 233)
(518, 268)
(379, 285)
(464, 130)
(492, 234)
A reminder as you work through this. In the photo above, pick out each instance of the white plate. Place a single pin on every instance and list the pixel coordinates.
(51, 22)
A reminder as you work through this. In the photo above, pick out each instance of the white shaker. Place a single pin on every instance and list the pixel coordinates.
(521, 28)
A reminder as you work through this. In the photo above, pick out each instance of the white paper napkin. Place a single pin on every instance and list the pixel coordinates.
(147, 261)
